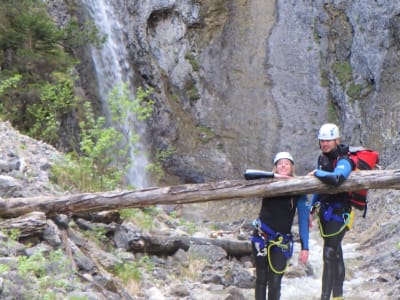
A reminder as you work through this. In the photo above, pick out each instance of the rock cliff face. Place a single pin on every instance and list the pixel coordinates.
(238, 80)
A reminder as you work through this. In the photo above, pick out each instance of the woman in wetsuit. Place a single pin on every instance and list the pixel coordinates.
(272, 241)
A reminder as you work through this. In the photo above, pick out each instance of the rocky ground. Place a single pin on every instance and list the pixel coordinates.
(102, 256)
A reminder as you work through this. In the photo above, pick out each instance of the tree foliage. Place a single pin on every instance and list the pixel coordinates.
(37, 87)
(104, 156)
(56, 101)
(33, 47)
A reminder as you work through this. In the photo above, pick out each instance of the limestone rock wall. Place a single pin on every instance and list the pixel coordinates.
(237, 81)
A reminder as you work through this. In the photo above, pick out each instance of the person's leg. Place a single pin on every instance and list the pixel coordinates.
(275, 274)
(333, 265)
(329, 258)
(261, 275)
(337, 289)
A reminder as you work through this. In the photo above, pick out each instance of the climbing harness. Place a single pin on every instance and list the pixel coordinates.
(270, 240)
(328, 215)
(350, 220)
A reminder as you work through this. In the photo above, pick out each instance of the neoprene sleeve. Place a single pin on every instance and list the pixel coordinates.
(303, 211)
(338, 176)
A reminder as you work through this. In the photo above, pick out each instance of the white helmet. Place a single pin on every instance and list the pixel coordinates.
(282, 155)
(328, 132)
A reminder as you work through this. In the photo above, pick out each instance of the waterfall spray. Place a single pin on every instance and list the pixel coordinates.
(112, 70)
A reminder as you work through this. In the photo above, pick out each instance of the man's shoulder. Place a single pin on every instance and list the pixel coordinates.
(343, 149)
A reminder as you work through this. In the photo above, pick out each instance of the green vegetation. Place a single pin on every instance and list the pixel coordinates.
(192, 91)
(144, 217)
(36, 62)
(13, 234)
(316, 34)
(104, 155)
(52, 270)
(193, 94)
(193, 62)
(343, 72)
(155, 168)
(332, 115)
(57, 100)
(4, 268)
(37, 86)
(5, 84)
(354, 91)
(74, 298)
(205, 133)
(9, 83)
(189, 226)
(133, 270)
(324, 78)
(128, 271)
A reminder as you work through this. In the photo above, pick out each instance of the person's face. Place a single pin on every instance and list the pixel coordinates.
(327, 145)
(284, 167)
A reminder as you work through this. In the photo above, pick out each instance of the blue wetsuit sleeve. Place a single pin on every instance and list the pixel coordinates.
(303, 211)
(338, 176)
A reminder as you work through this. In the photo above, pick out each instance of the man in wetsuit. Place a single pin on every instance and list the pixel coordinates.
(334, 167)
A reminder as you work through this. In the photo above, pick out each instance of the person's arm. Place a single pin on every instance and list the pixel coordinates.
(338, 176)
(303, 216)
(303, 211)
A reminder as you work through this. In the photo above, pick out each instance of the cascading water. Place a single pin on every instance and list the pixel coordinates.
(309, 288)
(113, 70)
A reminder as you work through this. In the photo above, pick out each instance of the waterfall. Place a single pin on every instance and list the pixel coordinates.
(113, 69)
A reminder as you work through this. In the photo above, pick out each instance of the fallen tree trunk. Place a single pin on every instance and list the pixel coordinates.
(232, 247)
(27, 225)
(169, 245)
(195, 193)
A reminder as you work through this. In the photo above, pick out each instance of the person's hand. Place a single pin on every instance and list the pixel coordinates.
(303, 256)
(310, 221)
(311, 173)
(276, 175)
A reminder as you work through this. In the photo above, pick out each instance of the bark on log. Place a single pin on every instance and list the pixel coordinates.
(169, 245)
(31, 224)
(194, 193)
(159, 245)
(232, 248)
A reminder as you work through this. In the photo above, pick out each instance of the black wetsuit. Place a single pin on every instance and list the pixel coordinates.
(278, 214)
(332, 209)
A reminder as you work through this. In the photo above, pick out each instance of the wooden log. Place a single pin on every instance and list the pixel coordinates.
(27, 225)
(195, 193)
(158, 244)
(232, 248)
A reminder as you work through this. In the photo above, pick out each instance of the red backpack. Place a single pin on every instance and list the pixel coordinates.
(363, 159)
